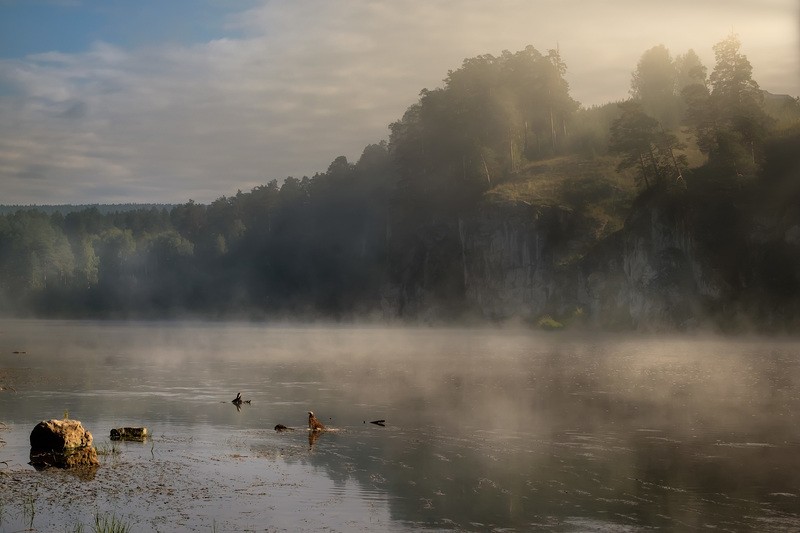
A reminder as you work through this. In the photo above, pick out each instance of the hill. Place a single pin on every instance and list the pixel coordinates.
(496, 197)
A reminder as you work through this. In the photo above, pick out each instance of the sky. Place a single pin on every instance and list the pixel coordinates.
(163, 101)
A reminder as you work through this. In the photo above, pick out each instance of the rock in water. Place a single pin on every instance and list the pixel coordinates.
(60, 435)
(73, 458)
(62, 443)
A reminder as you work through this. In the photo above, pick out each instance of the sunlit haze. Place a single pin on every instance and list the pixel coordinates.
(112, 102)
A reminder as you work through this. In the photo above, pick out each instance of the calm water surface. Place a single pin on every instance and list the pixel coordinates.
(486, 429)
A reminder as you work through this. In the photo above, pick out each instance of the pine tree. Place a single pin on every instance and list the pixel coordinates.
(727, 116)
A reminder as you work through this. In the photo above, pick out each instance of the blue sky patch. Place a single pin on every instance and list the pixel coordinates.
(37, 26)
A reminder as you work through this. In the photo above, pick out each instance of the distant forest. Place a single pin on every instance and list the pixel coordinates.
(358, 240)
(70, 208)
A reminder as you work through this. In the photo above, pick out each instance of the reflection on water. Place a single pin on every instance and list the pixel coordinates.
(485, 429)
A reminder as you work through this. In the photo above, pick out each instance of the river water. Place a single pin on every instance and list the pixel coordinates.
(485, 429)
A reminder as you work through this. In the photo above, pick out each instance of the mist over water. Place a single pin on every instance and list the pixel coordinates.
(485, 428)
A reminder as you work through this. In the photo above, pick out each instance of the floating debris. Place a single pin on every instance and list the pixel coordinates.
(238, 401)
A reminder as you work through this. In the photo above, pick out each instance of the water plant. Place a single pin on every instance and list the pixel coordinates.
(29, 508)
(108, 449)
(110, 524)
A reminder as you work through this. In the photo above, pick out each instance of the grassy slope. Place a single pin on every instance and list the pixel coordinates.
(588, 186)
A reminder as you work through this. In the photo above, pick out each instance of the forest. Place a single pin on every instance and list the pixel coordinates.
(497, 197)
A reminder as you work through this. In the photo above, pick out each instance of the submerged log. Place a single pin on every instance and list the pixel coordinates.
(137, 434)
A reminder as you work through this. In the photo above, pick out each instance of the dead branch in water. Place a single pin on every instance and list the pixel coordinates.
(313, 423)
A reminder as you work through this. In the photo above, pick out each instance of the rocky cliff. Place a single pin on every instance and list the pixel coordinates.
(680, 261)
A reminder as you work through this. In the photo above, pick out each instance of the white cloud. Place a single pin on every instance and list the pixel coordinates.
(312, 80)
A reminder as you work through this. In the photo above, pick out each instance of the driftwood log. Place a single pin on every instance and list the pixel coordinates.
(137, 434)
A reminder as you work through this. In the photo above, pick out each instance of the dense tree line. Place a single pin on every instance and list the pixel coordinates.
(69, 208)
(724, 114)
(312, 244)
(330, 245)
(492, 115)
